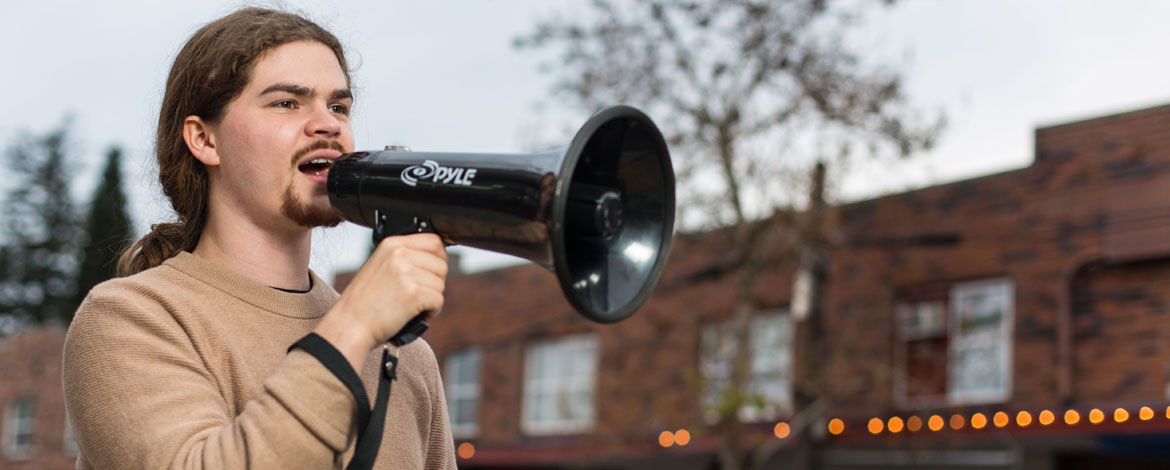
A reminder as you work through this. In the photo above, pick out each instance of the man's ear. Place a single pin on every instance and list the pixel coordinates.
(200, 140)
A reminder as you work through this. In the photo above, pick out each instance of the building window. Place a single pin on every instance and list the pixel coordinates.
(18, 428)
(559, 384)
(462, 384)
(981, 341)
(769, 382)
(955, 344)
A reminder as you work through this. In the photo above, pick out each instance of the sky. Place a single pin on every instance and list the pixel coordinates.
(443, 76)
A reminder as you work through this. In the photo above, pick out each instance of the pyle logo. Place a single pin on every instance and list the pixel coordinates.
(433, 171)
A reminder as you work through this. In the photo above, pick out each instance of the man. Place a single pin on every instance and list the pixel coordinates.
(187, 361)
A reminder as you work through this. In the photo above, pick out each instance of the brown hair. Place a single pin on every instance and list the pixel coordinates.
(210, 71)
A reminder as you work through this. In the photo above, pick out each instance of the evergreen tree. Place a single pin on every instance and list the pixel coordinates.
(41, 228)
(108, 228)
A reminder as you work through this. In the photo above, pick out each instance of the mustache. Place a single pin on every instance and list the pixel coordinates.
(318, 145)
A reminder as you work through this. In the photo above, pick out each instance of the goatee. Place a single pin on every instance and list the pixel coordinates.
(306, 215)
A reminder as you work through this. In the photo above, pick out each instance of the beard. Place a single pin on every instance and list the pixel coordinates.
(299, 211)
(305, 214)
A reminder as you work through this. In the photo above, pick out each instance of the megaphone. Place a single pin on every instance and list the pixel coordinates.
(598, 212)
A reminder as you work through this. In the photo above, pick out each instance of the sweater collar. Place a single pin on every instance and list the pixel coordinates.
(313, 304)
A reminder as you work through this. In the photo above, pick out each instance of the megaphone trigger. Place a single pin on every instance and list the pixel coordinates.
(386, 224)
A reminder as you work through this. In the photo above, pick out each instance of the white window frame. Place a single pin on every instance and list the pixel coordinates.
(18, 424)
(981, 295)
(463, 426)
(770, 365)
(558, 370)
(918, 320)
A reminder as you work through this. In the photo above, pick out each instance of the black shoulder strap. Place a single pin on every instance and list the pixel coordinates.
(370, 422)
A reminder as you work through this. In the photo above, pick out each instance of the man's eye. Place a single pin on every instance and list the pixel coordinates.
(340, 109)
(290, 104)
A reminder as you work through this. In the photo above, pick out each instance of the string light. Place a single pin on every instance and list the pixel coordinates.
(782, 430)
(836, 426)
(1096, 416)
(466, 450)
(1120, 415)
(978, 421)
(914, 423)
(666, 439)
(682, 437)
(957, 422)
(935, 423)
(896, 424)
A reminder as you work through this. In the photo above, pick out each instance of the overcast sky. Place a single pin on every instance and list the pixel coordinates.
(442, 76)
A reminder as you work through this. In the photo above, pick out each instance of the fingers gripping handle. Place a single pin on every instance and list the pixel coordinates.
(384, 226)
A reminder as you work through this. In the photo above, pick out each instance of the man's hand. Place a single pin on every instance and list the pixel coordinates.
(404, 277)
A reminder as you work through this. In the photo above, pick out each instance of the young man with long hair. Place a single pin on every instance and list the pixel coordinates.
(219, 348)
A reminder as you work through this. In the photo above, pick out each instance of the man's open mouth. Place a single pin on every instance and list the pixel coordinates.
(316, 166)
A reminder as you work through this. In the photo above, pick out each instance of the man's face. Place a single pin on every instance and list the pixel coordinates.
(277, 140)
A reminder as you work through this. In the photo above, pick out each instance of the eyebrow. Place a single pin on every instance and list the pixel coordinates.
(338, 94)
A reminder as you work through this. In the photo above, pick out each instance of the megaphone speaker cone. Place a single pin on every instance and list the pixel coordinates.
(613, 214)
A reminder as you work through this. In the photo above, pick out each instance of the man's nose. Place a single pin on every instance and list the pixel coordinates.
(323, 123)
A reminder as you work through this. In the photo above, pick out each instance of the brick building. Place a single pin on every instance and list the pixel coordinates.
(35, 433)
(1023, 315)
(1010, 321)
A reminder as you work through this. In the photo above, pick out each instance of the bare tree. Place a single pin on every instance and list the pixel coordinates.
(748, 93)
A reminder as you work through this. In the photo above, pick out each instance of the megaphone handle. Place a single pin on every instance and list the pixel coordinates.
(413, 329)
(417, 325)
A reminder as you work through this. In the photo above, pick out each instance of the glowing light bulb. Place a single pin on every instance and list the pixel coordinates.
(836, 426)
(782, 430)
(682, 437)
(895, 425)
(1146, 413)
(1096, 416)
(1071, 417)
(935, 423)
(1120, 415)
(466, 450)
(876, 425)
(1046, 418)
(1023, 418)
(1001, 419)
(666, 439)
(978, 421)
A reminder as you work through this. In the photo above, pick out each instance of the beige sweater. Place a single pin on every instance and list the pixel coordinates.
(185, 366)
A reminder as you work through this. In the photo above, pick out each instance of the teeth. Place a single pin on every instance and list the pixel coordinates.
(319, 161)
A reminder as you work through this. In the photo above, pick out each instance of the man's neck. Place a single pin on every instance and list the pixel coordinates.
(272, 258)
